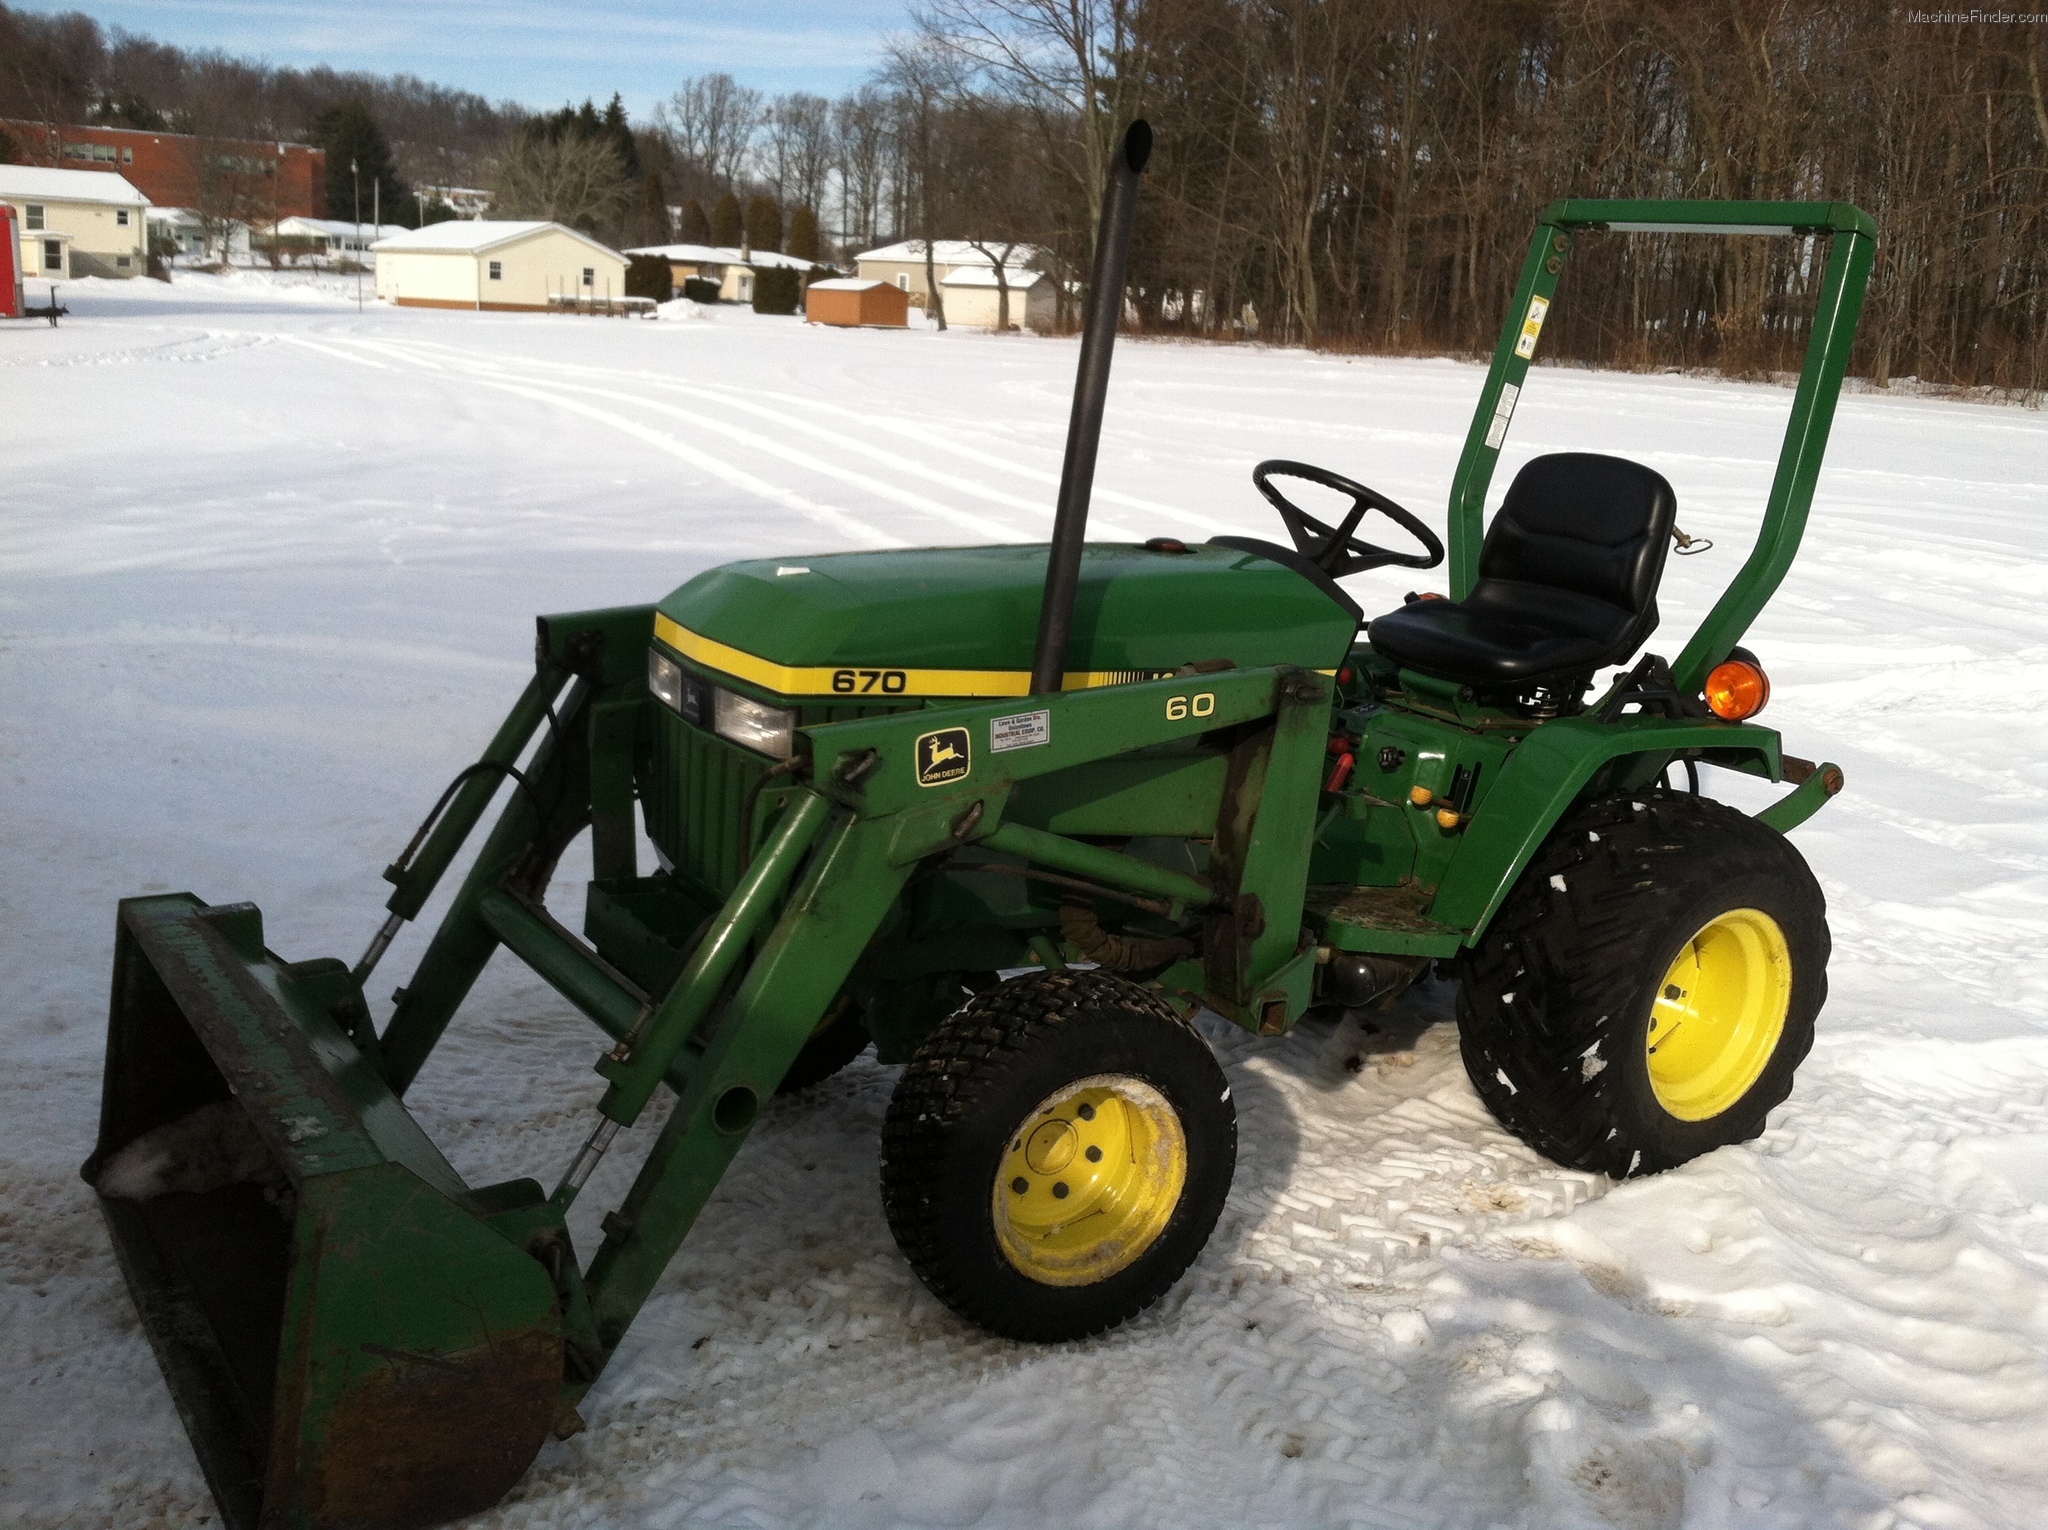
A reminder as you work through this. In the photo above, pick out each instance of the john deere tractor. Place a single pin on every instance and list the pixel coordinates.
(1012, 816)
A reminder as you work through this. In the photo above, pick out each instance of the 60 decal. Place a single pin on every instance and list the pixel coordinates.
(863, 682)
(1180, 708)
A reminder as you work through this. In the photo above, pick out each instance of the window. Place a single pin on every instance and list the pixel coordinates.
(34, 212)
(101, 152)
(498, 272)
(590, 276)
(53, 257)
(121, 261)
(127, 156)
(903, 280)
(121, 217)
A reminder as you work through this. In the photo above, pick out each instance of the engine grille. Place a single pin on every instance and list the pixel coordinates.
(696, 789)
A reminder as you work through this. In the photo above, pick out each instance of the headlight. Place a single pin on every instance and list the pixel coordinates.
(665, 678)
(753, 725)
(678, 688)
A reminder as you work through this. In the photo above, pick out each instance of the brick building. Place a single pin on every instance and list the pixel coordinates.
(252, 179)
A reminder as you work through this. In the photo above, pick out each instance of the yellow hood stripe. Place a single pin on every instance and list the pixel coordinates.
(842, 680)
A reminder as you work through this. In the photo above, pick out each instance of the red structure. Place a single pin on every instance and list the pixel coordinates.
(280, 180)
(10, 265)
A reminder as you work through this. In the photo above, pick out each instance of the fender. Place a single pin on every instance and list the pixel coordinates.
(1544, 777)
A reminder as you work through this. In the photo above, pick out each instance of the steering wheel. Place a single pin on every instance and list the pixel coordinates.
(1334, 549)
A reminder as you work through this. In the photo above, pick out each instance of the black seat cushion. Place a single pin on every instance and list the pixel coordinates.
(1567, 579)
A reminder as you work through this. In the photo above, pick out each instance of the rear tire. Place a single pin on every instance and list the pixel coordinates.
(1649, 987)
(1056, 1154)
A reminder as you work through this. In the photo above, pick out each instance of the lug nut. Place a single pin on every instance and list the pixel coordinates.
(1059, 1191)
(1086, 1112)
(1094, 1154)
(1020, 1184)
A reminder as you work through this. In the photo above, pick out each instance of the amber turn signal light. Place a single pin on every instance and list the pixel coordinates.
(1737, 689)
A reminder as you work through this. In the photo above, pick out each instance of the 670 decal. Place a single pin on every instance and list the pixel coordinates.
(862, 682)
(1179, 708)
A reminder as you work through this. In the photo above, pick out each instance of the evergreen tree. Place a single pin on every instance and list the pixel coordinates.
(351, 137)
(803, 234)
(696, 227)
(725, 221)
(654, 207)
(764, 223)
(620, 135)
(588, 123)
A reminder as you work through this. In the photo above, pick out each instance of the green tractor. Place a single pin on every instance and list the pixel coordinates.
(1011, 815)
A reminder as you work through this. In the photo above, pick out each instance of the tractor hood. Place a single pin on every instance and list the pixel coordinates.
(961, 621)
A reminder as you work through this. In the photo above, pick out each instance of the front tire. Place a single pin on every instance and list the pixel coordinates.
(1649, 987)
(1056, 1154)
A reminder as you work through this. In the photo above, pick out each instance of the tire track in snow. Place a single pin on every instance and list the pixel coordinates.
(746, 402)
(978, 525)
(840, 521)
(921, 435)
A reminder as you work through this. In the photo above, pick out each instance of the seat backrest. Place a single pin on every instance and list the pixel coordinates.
(1593, 525)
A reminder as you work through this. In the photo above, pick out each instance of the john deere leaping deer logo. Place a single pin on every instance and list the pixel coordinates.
(944, 756)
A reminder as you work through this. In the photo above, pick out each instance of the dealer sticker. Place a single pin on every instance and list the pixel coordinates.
(1026, 730)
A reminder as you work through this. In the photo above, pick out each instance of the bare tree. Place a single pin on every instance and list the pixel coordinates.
(799, 148)
(1077, 65)
(710, 122)
(860, 142)
(573, 180)
(924, 79)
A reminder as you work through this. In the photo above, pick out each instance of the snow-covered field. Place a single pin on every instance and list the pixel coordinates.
(267, 574)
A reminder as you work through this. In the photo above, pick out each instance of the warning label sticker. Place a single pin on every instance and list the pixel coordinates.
(1023, 731)
(1504, 411)
(1532, 326)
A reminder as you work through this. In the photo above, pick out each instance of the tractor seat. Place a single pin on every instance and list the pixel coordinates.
(1567, 579)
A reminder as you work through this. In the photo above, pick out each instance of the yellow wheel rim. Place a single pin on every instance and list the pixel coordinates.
(1089, 1181)
(1719, 1013)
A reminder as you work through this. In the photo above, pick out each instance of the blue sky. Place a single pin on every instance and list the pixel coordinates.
(538, 54)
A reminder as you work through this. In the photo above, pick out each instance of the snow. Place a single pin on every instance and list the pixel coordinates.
(267, 578)
(475, 236)
(69, 185)
(722, 254)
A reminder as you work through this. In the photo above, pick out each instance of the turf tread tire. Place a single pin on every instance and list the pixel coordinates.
(1554, 1000)
(973, 1081)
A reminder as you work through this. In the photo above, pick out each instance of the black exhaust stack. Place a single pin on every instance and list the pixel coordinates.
(1091, 389)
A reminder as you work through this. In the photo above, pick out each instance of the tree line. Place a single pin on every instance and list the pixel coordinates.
(1365, 173)
(1353, 174)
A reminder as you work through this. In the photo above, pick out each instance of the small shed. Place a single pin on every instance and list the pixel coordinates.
(850, 302)
(501, 266)
(973, 299)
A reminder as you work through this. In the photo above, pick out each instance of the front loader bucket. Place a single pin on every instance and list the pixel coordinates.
(352, 1336)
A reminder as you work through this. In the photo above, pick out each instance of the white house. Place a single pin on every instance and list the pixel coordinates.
(731, 266)
(903, 263)
(495, 265)
(974, 298)
(77, 222)
(333, 238)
